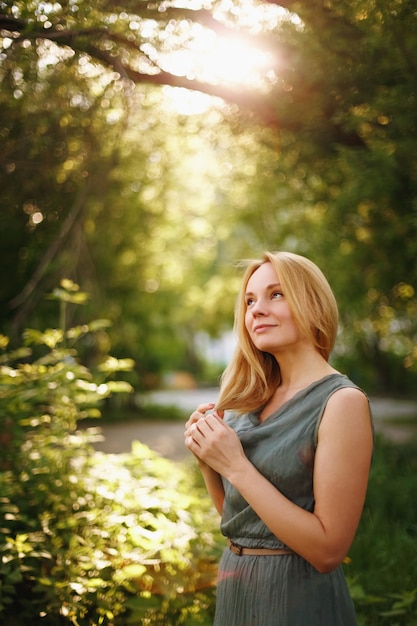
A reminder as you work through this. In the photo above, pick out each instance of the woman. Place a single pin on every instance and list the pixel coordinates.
(288, 466)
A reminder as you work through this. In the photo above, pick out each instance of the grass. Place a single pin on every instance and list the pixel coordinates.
(382, 574)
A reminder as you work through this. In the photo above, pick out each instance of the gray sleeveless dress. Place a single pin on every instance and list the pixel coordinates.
(281, 590)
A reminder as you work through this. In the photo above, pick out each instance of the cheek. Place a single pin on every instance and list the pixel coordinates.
(287, 319)
(287, 316)
(294, 328)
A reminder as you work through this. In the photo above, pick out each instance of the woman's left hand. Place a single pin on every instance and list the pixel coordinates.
(214, 442)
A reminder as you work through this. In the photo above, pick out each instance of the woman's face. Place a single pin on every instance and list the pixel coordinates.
(268, 318)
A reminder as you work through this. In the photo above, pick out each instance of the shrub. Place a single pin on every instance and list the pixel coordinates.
(382, 574)
(87, 538)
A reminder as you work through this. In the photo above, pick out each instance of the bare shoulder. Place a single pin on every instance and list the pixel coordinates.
(347, 411)
(348, 398)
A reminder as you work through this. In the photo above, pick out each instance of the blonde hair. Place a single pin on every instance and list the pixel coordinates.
(252, 376)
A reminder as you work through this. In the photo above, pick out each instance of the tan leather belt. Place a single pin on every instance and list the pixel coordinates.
(241, 551)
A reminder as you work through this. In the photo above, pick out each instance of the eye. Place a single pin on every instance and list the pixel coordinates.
(249, 301)
(276, 295)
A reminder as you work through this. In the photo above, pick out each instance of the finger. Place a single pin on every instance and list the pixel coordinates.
(203, 408)
(208, 421)
(199, 413)
(204, 425)
(191, 428)
(218, 414)
(192, 437)
(192, 447)
(194, 417)
(190, 442)
(213, 421)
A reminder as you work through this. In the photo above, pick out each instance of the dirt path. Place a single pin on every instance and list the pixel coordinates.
(166, 438)
(394, 418)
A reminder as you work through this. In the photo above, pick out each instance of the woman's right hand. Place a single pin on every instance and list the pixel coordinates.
(211, 478)
(192, 425)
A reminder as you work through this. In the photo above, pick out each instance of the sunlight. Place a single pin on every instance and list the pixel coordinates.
(187, 101)
(238, 62)
(221, 60)
(231, 59)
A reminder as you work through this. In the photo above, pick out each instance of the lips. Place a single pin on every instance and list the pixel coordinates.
(260, 327)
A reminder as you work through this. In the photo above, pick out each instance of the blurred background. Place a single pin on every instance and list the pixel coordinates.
(146, 148)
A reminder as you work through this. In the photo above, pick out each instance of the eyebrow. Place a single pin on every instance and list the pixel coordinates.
(267, 288)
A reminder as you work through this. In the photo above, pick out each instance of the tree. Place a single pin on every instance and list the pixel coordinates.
(333, 124)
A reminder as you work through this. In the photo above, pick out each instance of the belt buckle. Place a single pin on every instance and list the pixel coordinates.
(236, 548)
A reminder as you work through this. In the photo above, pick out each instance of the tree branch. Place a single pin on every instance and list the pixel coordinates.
(11, 24)
(258, 104)
(249, 101)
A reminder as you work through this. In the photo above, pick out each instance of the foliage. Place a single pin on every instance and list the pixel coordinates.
(148, 207)
(87, 538)
(383, 556)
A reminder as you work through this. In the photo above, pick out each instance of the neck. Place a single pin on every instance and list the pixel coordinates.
(301, 371)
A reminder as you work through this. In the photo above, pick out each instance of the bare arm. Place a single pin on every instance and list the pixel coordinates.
(211, 478)
(341, 471)
(214, 486)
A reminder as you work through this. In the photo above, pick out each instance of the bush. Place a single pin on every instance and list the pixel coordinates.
(382, 573)
(87, 538)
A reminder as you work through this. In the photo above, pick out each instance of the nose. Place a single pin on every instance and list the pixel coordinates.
(258, 308)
